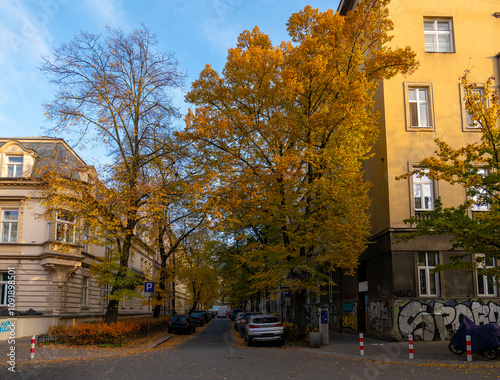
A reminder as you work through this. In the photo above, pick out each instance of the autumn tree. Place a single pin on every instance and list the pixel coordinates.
(195, 269)
(285, 129)
(114, 89)
(473, 225)
(174, 213)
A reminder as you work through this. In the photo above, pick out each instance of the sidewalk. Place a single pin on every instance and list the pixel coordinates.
(424, 353)
(63, 352)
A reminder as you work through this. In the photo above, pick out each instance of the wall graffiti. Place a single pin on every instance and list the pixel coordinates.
(380, 316)
(435, 320)
(349, 315)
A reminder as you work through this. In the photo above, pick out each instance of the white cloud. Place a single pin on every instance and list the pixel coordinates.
(24, 32)
(108, 12)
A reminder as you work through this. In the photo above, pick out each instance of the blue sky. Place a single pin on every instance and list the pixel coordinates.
(196, 31)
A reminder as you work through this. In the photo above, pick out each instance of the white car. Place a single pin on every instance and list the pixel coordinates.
(264, 328)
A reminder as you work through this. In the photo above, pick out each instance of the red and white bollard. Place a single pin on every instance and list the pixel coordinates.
(410, 346)
(361, 345)
(32, 351)
(469, 348)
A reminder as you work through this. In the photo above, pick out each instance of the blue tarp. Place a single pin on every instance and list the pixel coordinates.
(483, 338)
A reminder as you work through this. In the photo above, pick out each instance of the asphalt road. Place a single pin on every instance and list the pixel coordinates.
(213, 354)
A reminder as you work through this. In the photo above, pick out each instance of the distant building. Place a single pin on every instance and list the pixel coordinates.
(52, 283)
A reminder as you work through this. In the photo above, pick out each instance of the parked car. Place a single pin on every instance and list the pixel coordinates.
(237, 320)
(243, 321)
(234, 312)
(182, 323)
(263, 328)
(199, 318)
(206, 315)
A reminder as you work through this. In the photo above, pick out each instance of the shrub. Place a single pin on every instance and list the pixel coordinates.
(291, 331)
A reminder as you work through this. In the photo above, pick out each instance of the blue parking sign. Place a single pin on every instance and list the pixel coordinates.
(149, 287)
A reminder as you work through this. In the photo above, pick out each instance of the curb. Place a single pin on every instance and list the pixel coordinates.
(159, 341)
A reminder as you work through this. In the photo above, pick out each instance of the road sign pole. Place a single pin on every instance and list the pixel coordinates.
(149, 312)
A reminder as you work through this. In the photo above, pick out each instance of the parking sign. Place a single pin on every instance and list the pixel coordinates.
(149, 287)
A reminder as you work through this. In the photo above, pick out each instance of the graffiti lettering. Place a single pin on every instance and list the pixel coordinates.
(350, 321)
(380, 315)
(403, 293)
(436, 320)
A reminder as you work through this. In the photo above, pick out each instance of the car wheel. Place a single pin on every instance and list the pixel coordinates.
(281, 342)
(170, 331)
(455, 350)
(491, 355)
(249, 342)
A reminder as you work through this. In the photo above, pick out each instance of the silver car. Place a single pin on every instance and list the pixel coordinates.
(264, 328)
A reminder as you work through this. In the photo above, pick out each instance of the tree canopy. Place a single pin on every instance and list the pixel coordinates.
(114, 89)
(283, 133)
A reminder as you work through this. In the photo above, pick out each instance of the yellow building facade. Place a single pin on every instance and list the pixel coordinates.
(397, 293)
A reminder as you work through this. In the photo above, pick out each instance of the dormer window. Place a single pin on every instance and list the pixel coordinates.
(14, 166)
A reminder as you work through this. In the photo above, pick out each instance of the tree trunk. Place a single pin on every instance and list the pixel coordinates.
(299, 309)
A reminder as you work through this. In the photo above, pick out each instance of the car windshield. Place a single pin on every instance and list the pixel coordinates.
(178, 319)
(265, 320)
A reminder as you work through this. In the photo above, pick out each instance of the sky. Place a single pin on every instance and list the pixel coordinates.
(198, 32)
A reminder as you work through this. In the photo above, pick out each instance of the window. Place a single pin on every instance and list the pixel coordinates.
(438, 35)
(14, 166)
(85, 290)
(9, 226)
(86, 236)
(106, 291)
(428, 282)
(475, 97)
(423, 192)
(486, 285)
(419, 114)
(480, 198)
(3, 288)
(65, 227)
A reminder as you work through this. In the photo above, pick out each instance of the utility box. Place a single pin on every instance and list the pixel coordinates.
(323, 325)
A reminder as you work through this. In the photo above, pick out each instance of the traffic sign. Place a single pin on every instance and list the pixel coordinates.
(149, 287)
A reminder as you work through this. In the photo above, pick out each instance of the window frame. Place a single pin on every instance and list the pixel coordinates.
(407, 86)
(10, 222)
(66, 224)
(465, 114)
(14, 165)
(427, 272)
(85, 291)
(474, 207)
(413, 210)
(486, 279)
(436, 33)
(3, 288)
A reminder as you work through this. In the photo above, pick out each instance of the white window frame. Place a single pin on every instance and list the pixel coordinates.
(479, 207)
(14, 169)
(488, 282)
(419, 102)
(3, 288)
(85, 291)
(66, 225)
(424, 272)
(424, 184)
(435, 34)
(9, 224)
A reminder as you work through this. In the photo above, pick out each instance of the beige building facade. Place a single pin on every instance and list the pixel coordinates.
(50, 283)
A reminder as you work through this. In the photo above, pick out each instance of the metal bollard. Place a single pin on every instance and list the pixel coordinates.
(32, 350)
(410, 346)
(469, 348)
(361, 345)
